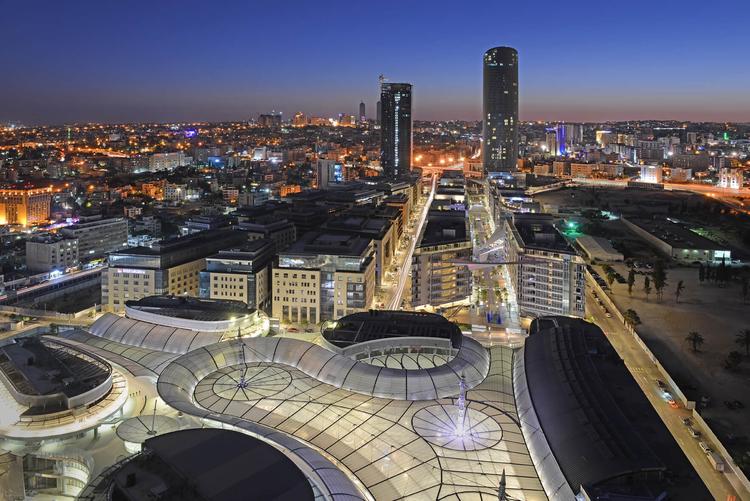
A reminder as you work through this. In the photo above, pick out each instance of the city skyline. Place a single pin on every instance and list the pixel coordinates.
(78, 64)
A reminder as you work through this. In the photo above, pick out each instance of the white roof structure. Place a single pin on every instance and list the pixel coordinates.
(152, 336)
(384, 447)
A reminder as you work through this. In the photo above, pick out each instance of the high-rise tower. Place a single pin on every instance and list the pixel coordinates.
(395, 128)
(362, 115)
(500, 107)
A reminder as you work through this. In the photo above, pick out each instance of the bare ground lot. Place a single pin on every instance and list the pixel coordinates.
(718, 314)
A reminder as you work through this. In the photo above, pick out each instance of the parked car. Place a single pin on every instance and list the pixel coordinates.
(687, 421)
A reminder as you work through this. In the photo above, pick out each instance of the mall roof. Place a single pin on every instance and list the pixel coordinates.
(384, 324)
(221, 465)
(596, 419)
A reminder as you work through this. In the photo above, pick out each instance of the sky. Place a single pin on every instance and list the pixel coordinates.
(163, 60)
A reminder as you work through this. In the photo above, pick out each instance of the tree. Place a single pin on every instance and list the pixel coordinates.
(611, 274)
(631, 318)
(733, 360)
(743, 339)
(695, 340)
(631, 281)
(678, 291)
(647, 286)
(660, 278)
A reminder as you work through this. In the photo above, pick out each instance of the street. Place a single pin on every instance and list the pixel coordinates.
(646, 374)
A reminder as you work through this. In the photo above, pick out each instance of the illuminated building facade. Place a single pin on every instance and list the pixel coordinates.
(169, 267)
(500, 110)
(323, 276)
(25, 206)
(396, 129)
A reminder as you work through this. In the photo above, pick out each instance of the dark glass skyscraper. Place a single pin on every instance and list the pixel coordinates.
(500, 107)
(395, 128)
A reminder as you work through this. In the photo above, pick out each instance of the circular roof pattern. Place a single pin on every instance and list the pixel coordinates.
(140, 428)
(441, 425)
(251, 382)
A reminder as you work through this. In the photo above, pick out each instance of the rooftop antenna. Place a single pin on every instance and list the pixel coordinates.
(242, 383)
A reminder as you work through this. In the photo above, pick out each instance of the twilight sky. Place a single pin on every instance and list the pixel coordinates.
(163, 60)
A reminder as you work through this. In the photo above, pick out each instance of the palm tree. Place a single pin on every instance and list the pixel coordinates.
(647, 286)
(631, 318)
(678, 291)
(695, 340)
(743, 339)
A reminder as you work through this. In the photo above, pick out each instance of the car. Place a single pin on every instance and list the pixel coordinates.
(673, 404)
(704, 447)
(694, 433)
(607, 314)
(660, 384)
(687, 421)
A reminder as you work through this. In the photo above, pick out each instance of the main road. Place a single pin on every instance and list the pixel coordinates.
(646, 374)
(403, 276)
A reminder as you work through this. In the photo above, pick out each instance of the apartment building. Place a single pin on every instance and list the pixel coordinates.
(323, 276)
(240, 274)
(50, 251)
(168, 267)
(97, 236)
(438, 277)
(547, 275)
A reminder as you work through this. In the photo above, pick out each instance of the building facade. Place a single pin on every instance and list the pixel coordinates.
(323, 276)
(547, 275)
(500, 110)
(395, 129)
(96, 237)
(169, 267)
(25, 206)
(48, 252)
(242, 274)
(437, 277)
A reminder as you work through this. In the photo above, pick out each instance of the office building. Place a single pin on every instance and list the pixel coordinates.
(282, 232)
(395, 129)
(24, 205)
(651, 174)
(546, 274)
(500, 110)
(323, 276)
(438, 277)
(167, 161)
(252, 198)
(329, 171)
(730, 178)
(168, 267)
(362, 114)
(368, 224)
(97, 236)
(241, 274)
(50, 251)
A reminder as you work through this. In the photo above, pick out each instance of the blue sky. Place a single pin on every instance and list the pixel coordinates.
(176, 61)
